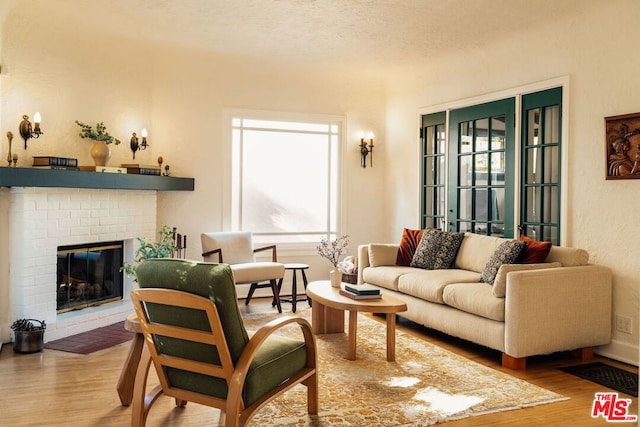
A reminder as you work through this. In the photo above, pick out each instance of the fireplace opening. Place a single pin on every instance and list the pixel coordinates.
(89, 275)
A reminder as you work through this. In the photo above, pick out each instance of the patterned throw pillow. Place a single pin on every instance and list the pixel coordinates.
(437, 250)
(506, 253)
(427, 250)
(449, 245)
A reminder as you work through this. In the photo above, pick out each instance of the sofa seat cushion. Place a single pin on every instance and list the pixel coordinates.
(385, 276)
(475, 298)
(429, 284)
(254, 272)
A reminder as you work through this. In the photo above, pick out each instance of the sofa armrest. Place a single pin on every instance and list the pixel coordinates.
(557, 309)
(363, 260)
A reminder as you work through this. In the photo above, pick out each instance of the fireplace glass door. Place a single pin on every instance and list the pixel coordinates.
(89, 275)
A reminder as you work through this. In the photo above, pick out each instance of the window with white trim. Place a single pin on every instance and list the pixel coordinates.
(285, 176)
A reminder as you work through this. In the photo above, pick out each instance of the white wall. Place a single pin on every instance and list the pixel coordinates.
(596, 50)
(79, 72)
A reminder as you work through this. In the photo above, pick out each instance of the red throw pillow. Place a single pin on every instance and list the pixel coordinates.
(408, 244)
(534, 251)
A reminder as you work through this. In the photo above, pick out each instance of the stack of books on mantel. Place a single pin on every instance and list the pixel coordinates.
(53, 162)
(137, 168)
(364, 291)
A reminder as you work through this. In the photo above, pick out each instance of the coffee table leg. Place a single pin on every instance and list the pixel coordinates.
(326, 320)
(391, 337)
(353, 329)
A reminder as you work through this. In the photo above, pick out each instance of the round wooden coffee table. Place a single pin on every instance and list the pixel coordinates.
(327, 314)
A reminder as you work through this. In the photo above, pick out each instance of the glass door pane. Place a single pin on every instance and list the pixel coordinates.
(482, 145)
(433, 170)
(541, 133)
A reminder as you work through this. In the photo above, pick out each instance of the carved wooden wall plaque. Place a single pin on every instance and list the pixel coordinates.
(622, 136)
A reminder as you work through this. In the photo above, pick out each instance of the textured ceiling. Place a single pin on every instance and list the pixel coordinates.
(370, 32)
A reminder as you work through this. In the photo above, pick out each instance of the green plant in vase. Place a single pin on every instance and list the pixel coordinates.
(100, 152)
(164, 247)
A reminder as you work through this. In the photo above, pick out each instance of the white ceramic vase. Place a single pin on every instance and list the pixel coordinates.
(336, 278)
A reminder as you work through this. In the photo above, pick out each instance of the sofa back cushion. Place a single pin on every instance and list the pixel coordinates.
(382, 254)
(568, 257)
(475, 250)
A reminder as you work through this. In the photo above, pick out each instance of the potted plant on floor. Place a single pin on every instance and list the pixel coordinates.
(27, 336)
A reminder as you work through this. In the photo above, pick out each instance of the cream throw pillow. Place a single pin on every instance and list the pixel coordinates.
(500, 283)
(382, 254)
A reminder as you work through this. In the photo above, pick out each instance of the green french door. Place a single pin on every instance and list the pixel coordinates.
(481, 173)
(541, 164)
(432, 152)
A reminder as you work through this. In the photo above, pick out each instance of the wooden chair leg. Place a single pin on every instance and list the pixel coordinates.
(273, 301)
(312, 394)
(276, 294)
(252, 289)
(141, 403)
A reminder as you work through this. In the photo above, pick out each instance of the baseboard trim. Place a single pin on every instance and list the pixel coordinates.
(620, 351)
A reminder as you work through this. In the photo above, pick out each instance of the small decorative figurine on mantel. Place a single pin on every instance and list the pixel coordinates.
(10, 138)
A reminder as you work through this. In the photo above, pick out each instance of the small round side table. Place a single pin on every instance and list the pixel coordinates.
(295, 267)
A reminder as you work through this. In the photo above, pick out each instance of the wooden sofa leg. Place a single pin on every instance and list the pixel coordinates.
(515, 363)
(584, 354)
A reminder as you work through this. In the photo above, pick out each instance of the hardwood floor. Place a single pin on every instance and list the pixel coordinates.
(54, 388)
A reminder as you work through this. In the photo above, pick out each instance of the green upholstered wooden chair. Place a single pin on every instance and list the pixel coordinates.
(196, 339)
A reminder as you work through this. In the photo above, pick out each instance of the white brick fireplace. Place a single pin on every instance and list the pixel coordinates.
(40, 220)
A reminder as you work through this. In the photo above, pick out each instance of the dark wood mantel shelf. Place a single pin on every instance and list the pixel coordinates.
(32, 177)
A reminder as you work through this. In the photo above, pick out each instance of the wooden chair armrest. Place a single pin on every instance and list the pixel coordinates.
(274, 254)
(218, 251)
(239, 376)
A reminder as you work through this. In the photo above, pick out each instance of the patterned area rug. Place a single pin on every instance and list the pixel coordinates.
(426, 385)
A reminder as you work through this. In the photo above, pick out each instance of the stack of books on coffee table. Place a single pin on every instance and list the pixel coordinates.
(364, 291)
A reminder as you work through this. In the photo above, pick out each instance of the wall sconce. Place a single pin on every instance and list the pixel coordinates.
(26, 131)
(134, 142)
(365, 149)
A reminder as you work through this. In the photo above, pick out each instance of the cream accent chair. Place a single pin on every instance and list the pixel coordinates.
(236, 249)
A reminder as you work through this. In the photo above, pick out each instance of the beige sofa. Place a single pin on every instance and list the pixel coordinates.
(531, 309)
